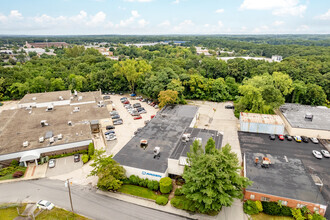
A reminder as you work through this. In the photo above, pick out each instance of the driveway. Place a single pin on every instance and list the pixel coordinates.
(64, 165)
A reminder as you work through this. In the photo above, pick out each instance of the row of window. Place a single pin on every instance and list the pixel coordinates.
(267, 199)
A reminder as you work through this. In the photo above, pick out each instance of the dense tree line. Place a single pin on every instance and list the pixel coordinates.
(255, 85)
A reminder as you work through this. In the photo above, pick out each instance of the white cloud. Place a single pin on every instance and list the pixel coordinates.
(206, 25)
(138, 0)
(302, 28)
(3, 18)
(221, 10)
(135, 14)
(97, 19)
(325, 16)
(165, 24)
(278, 23)
(123, 23)
(15, 14)
(176, 2)
(184, 26)
(143, 23)
(220, 24)
(278, 7)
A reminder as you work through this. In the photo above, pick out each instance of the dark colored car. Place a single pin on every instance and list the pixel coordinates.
(106, 97)
(136, 105)
(288, 137)
(123, 99)
(272, 137)
(304, 139)
(109, 127)
(76, 158)
(229, 107)
(109, 132)
(115, 117)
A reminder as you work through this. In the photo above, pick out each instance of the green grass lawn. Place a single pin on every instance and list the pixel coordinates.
(139, 191)
(263, 216)
(11, 212)
(59, 214)
(10, 175)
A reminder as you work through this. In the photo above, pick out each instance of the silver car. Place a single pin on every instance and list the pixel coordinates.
(51, 163)
(44, 204)
(314, 140)
(317, 154)
(325, 153)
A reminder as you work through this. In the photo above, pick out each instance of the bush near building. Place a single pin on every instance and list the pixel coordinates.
(68, 154)
(150, 184)
(161, 200)
(18, 174)
(165, 185)
(91, 150)
(84, 158)
(250, 207)
(178, 192)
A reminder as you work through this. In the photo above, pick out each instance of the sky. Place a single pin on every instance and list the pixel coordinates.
(153, 17)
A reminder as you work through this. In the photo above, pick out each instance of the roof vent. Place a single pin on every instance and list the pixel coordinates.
(51, 140)
(34, 98)
(25, 143)
(79, 98)
(76, 109)
(75, 93)
(41, 139)
(156, 153)
(60, 136)
(309, 117)
(28, 108)
(185, 137)
(49, 108)
(70, 123)
(44, 123)
(60, 98)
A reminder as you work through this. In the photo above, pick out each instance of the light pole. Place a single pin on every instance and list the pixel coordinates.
(67, 184)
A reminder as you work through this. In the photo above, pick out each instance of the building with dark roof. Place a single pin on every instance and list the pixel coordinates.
(285, 180)
(305, 120)
(46, 44)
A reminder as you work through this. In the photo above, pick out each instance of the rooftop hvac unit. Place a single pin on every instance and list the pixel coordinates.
(60, 136)
(100, 104)
(79, 98)
(309, 117)
(185, 137)
(25, 143)
(75, 93)
(70, 123)
(44, 123)
(34, 98)
(144, 144)
(41, 139)
(49, 108)
(60, 98)
(28, 108)
(156, 152)
(51, 140)
(76, 109)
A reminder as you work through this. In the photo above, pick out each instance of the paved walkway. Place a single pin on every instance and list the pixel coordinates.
(34, 172)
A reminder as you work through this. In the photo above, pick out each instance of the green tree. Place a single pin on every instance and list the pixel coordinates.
(131, 70)
(315, 95)
(212, 177)
(57, 84)
(167, 97)
(110, 172)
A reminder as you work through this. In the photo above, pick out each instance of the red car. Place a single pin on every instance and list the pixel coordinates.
(281, 137)
(152, 116)
(126, 102)
(138, 117)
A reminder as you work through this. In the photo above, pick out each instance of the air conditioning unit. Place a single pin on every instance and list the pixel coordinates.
(44, 123)
(51, 140)
(79, 98)
(60, 98)
(41, 139)
(76, 109)
(49, 108)
(156, 152)
(309, 116)
(70, 123)
(25, 143)
(34, 98)
(60, 136)
(185, 137)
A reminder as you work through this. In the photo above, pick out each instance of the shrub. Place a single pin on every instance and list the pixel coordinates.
(250, 207)
(318, 217)
(7, 170)
(305, 211)
(161, 200)
(178, 192)
(18, 174)
(286, 211)
(181, 202)
(134, 180)
(271, 208)
(84, 158)
(296, 213)
(14, 163)
(153, 185)
(165, 185)
(91, 150)
(259, 205)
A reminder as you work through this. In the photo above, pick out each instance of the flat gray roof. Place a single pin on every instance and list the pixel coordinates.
(45, 97)
(183, 147)
(284, 178)
(295, 115)
(163, 131)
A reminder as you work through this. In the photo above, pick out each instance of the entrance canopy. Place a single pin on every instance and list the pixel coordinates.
(31, 155)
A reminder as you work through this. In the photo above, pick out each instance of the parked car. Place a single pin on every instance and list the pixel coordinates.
(156, 106)
(135, 113)
(152, 116)
(325, 153)
(51, 163)
(314, 140)
(142, 111)
(76, 158)
(317, 154)
(144, 100)
(281, 137)
(137, 117)
(115, 117)
(113, 113)
(109, 127)
(297, 139)
(106, 97)
(123, 99)
(109, 132)
(118, 122)
(288, 137)
(136, 105)
(138, 97)
(111, 137)
(126, 102)
(133, 95)
(229, 107)
(272, 137)
(304, 139)
(44, 204)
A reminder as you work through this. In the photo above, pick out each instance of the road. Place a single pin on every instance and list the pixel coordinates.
(85, 200)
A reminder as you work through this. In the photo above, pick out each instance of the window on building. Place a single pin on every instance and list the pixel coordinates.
(283, 202)
(300, 205)
(252, 196)
(266, 199)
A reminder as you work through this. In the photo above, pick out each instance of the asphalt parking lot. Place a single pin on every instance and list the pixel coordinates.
(126, 131)
(64, 165)
(260, 143)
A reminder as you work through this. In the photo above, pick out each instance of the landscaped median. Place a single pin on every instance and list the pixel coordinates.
(12, 172)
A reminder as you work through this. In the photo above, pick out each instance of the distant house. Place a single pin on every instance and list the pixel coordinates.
(277, 58)
(46, 44)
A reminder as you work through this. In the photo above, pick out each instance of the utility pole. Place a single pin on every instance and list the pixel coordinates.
(67, 184)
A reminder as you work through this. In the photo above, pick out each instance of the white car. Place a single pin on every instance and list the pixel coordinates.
(51, 163)
(317, 154)
(44, 204)
(325, 153)
(314, 140)
(111, 137)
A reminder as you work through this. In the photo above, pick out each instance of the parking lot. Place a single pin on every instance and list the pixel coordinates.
(125, 131)
(260, 143)
(64, 165)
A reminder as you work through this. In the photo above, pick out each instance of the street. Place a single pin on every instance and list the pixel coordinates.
(85, 200)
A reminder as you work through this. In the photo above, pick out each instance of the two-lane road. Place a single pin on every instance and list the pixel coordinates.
(85, 200)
